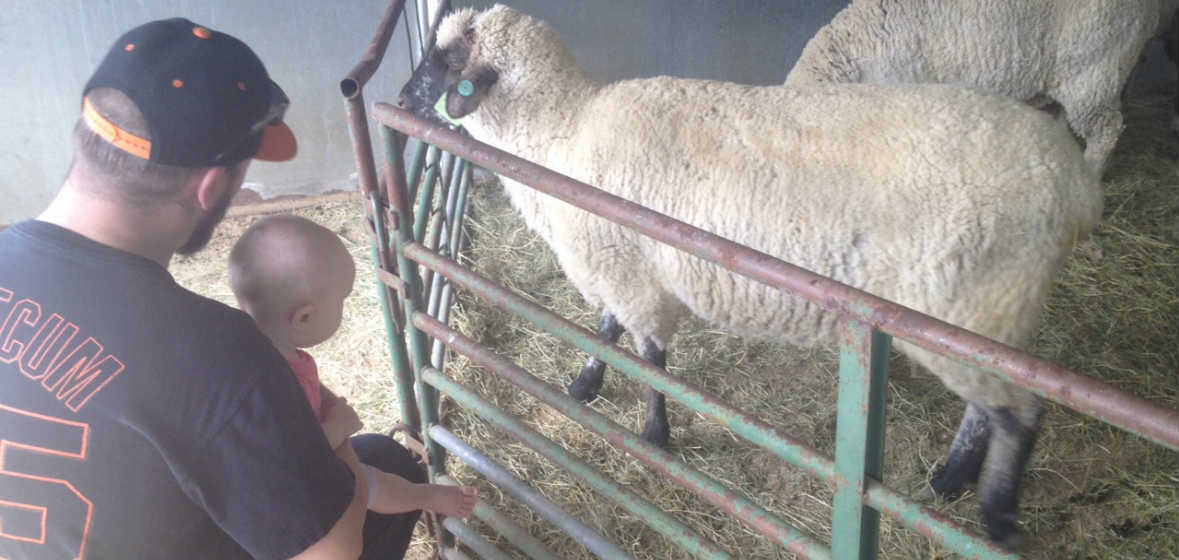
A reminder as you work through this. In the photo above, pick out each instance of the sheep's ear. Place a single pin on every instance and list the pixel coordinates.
(481, 79)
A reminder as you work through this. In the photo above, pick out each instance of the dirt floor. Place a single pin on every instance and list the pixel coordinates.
(1092, 491)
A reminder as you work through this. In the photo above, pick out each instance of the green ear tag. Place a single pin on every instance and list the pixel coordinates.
(440, 108)
(466, 88)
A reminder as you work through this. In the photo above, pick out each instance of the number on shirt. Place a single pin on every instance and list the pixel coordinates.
(25, 497)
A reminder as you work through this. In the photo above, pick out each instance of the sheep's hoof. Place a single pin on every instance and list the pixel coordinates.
(1002, 530)
(584, 390)
(656, 434)
(946, 485)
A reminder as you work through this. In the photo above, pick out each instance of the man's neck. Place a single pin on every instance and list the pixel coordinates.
(153, 235)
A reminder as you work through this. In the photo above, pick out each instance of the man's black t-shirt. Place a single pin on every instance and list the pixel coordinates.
(140, 420)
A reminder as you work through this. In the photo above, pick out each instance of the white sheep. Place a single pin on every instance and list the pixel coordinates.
(1078, 53)
(957, 204)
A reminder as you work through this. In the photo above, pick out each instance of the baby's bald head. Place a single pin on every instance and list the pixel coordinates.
(284, 262)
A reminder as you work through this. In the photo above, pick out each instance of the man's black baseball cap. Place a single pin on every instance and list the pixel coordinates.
(206, 96)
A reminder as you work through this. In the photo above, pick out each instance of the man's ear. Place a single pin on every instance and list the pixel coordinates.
(209, 187)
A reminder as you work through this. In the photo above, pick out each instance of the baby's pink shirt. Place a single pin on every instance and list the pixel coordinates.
(308, 375)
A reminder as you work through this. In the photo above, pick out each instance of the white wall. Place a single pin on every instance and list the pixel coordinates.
(48, 50)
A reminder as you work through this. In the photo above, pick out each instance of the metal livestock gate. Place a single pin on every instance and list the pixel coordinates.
(416, 307)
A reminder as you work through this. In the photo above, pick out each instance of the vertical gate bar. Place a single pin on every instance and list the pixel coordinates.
(437, 354)
(362, 146)
(440, 232)
(438, 351)
(452, 197)
(402, 374)
(673, 529)
(470, 537)
(426, 196)
(414, 174)
(597, 544)
(460, 210)
(859, 435)
(367, 179)
(520, 538)
(412, 296)
(425, 205)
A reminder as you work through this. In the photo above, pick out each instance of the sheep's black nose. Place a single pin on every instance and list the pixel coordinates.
(401, 101)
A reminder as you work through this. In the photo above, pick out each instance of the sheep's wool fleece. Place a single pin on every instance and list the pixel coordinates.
(1078, 53)
(954, 203)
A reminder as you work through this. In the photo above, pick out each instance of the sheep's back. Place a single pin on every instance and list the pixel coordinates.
(906, 192)
(1016, 48)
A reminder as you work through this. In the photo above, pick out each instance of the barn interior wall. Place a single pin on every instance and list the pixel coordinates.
(48, 49)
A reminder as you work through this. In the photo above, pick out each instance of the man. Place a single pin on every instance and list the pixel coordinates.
(137, 419)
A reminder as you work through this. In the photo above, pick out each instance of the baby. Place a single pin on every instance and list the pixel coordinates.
(292, 276)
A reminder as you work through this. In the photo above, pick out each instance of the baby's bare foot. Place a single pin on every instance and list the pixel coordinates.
(453, 501)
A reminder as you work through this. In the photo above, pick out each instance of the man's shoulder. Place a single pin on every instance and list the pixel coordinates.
(224, 333)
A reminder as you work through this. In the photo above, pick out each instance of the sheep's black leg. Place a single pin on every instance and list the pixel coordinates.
(1014, 435)
(585, 388)
(966, 455)
(655, 428)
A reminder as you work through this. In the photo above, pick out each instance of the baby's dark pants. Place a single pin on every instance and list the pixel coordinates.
(386, 537)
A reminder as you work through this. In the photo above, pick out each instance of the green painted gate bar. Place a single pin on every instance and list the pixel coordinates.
(859, 439)
(427, 398)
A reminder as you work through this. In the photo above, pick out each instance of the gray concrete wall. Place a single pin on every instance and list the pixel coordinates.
(48, 49)
(746, 41)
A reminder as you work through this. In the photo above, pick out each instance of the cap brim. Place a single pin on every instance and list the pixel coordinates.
(278, 143)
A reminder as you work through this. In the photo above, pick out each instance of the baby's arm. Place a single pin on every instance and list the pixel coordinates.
(339, 419)
(396, 495)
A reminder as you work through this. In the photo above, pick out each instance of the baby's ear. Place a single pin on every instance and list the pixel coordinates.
(302, 315)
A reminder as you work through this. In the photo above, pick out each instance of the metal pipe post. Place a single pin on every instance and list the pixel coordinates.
(859, 439)
(412, 296)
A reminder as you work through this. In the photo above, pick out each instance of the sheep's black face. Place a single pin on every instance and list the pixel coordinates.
(426, 85)
(446, 68)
